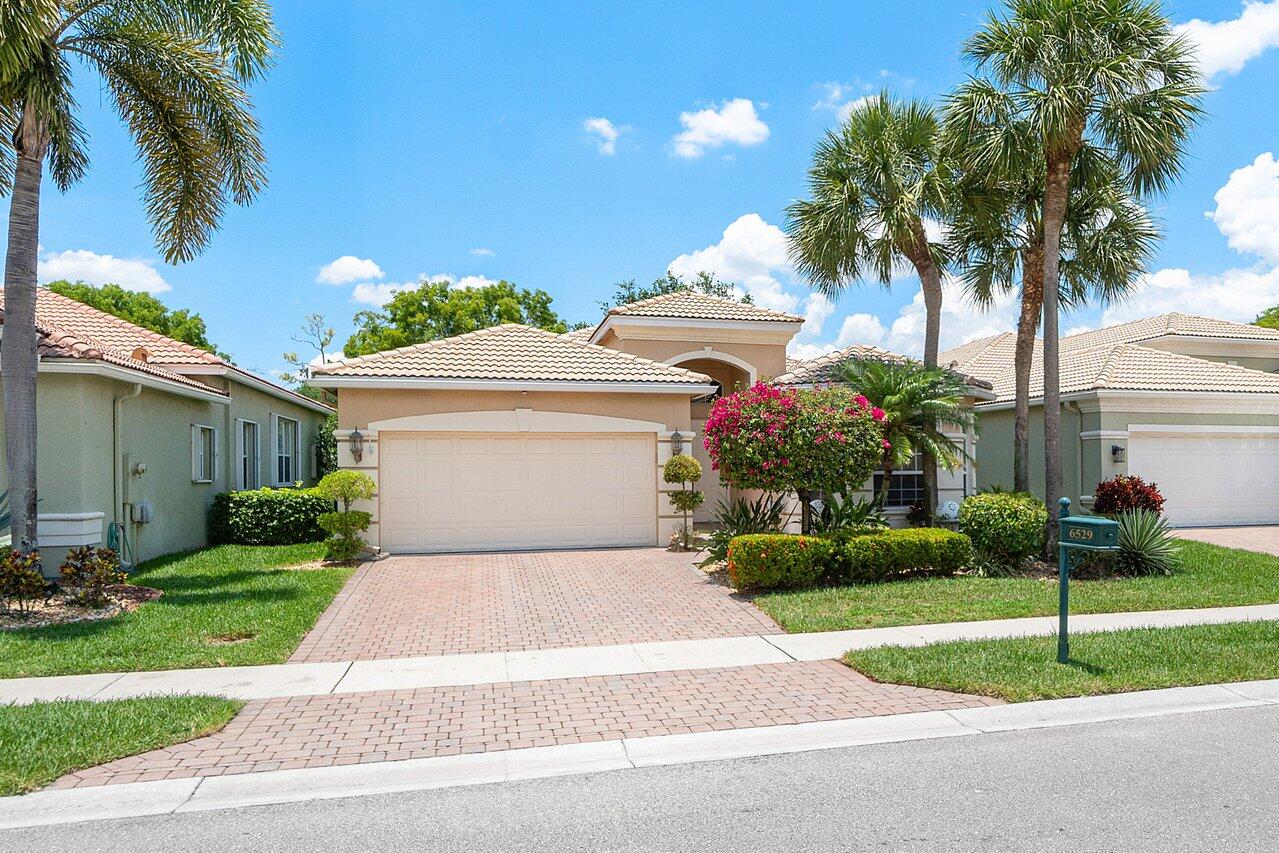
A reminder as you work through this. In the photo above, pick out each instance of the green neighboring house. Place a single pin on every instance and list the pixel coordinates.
(146, 430)
(1190, 403)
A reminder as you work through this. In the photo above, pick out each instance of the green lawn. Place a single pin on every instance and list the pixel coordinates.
(231, 592)
(40, 742)
(1026, 668)
(1210, 576)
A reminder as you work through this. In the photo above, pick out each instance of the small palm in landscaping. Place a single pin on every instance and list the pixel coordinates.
(1146, 547)
(763, 515)
(917, 401)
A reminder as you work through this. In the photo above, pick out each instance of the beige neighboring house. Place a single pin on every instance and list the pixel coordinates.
(1190, 403)
(140, 429)
(514, 438)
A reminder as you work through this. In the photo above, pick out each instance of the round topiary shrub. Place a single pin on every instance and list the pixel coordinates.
(1006, 527)
(1124, 493)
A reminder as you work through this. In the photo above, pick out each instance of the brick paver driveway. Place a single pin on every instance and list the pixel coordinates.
(1264, 539)
(407, 606)
(320, 731)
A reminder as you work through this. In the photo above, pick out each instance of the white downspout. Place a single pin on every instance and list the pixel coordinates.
(117, 512)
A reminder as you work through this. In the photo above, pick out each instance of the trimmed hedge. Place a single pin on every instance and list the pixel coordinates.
(899, 553)
(1006, 527)
(778, 561)
(786, 561)
(267, 517)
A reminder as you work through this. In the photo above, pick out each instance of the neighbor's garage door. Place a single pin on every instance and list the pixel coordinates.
(480, 491)
(1211, 478)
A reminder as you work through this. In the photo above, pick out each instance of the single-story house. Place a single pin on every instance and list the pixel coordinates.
(1190, 403)
(145, 429)
(516, 438)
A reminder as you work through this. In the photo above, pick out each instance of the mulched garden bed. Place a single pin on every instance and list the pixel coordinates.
(59, 610)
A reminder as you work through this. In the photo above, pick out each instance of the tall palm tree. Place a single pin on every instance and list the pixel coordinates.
(919, 402)
(1110, 75)
(874, 185)
(175, 71)
(997, 236)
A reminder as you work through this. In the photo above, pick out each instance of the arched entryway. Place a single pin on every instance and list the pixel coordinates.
(730, 374)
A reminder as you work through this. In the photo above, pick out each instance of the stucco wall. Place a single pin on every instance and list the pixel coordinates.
(358, 407)
(769, 360)
(995, 455)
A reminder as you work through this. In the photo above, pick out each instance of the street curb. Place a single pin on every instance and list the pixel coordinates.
(138, 799)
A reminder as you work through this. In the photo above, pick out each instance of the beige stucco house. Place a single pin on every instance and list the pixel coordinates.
(144, 430)
(1190, 403)
(516, 438)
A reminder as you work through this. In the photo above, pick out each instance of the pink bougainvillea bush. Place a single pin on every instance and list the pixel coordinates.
(787, 439)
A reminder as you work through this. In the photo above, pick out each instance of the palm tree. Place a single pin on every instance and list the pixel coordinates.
(175, 71)
(1109, 75)
(919, 402)
(998, 239)
(875, 184)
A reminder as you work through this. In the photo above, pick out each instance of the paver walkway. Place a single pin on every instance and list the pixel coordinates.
(322, 731)
(409, 606)
(1264, 539)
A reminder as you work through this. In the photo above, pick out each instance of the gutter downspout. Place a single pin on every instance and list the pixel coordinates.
(117, 512)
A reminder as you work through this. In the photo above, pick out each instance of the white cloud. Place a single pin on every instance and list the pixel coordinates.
(347, 269)
(92, 268)
(482, 252)
(855, 329)
(750, 253)
(1225, 46)
(1248, 209)
(734, 121)
(842, 98)
(473, 281)
(1237, 294)
(606, 134)
(377, 294)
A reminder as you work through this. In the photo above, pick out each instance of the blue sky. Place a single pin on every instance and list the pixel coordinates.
(452, 138)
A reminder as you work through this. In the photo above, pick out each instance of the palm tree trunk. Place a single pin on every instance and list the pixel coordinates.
(1032, 297)
(930, 284)
(18, 354)
(1056, 194)
(882, 497)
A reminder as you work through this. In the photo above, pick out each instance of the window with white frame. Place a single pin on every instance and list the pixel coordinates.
(248, 459)
(906, 485)
(287, 441)
(204, 453)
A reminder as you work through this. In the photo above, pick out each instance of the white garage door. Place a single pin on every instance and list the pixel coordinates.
(1211, 478)
(482, 491)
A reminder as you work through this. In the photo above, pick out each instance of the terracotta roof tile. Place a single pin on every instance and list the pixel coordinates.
(1182, 325)
(692, 305)
(512, 352)
(821, 369)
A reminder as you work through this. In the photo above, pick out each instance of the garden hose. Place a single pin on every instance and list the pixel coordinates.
(118, 541)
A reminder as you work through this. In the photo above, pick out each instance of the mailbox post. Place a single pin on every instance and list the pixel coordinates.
(1077, 535)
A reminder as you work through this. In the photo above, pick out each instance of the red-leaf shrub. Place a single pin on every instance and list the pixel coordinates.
(787, 439)
(1124, 492)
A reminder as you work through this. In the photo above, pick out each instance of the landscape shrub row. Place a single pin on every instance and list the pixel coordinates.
(268, 517)
(787, 561)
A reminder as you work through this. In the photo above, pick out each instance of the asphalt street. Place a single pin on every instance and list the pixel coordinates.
(1204, 781)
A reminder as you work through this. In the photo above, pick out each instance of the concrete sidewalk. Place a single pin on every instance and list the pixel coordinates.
(318, 679)
(282, 786)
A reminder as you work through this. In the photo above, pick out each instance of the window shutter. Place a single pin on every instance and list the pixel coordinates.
(213, 455)
(273, 449)
(239, 451)
(195, 452)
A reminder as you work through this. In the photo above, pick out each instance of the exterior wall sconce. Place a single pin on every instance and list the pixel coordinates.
(357, 445)
(1118, 453)
(677, 443)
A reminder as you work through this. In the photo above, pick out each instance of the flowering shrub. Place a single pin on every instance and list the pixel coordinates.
(778, 561)
(786, 439)
(1124, 492)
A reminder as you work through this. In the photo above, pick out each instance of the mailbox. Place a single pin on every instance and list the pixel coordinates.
(1076, 535)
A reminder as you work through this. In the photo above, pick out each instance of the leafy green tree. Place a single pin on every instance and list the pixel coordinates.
(874, 183)
(1268, 318)
(919, 403)
(436, 310)
(141, 309)
(1086, 75)
(175, 71)
(628, 291)
(997, 236)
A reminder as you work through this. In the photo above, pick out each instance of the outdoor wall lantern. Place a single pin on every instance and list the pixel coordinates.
(1117, 453)
(357, 445)
(677, 443)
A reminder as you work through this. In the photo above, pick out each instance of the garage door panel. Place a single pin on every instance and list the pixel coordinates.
(496, 491)
(1211, 478)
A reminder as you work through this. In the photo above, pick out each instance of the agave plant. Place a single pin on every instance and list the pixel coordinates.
(762, 515)
(1146, 544)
